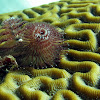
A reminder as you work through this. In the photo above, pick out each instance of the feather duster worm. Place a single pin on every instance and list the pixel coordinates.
(32, 44)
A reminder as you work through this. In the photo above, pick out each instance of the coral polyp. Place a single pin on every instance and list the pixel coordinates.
(32, 44)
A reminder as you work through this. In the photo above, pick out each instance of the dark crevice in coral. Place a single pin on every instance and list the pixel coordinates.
(39, 11)
(19, 94)
(84, 70)
(1, 21)
(3, 73)
(59, 13)
(43, 88)
(63, 12)
(11, 15)
(70, 57)
(19, 16)
(82, 38)
(98, 38)
(84, 19)
(60, 5)
(51, 7)
(72, 88)
(28, 14)
(73, 58)
(75, 47)
(47, 21)
(98, 84)
(94, 11)
(81, 95)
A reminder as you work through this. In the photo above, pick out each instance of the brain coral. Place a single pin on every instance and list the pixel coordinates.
(77, 77)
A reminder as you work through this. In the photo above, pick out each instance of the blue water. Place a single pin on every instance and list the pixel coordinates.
(14, 5)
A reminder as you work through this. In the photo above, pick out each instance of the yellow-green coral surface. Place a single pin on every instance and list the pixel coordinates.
(78, 75)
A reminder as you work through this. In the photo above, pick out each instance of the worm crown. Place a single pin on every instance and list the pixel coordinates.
(32, 44)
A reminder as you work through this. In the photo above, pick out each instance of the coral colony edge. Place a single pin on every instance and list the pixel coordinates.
(32, 44)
